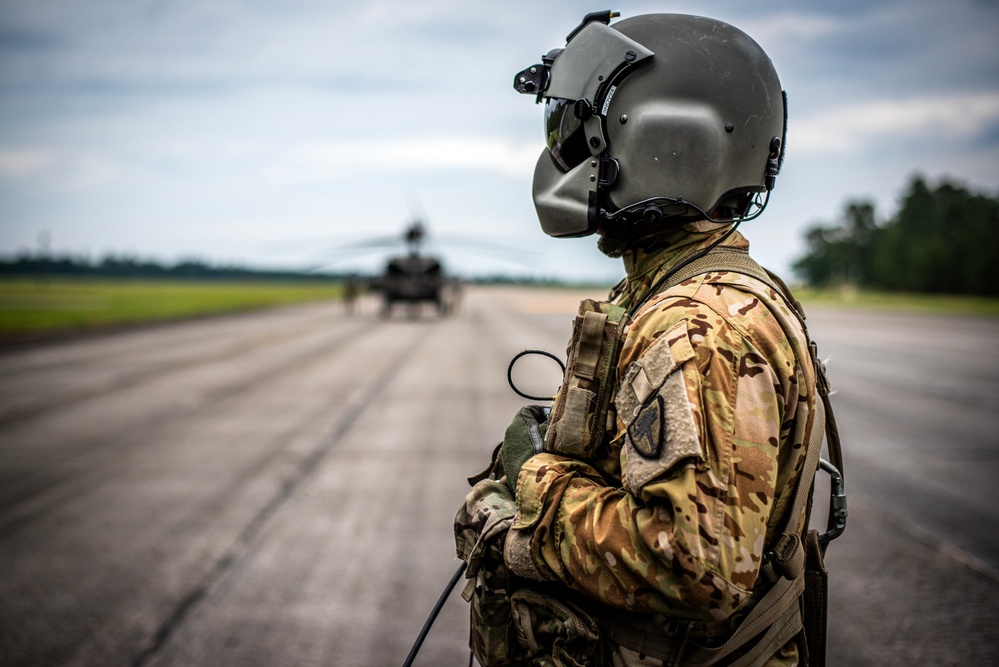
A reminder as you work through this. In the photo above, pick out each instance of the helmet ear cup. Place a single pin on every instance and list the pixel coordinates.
(674, 150)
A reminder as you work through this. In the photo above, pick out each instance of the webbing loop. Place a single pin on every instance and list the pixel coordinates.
(590, 338)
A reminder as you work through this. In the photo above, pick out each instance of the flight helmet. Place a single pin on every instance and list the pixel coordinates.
(657, 119)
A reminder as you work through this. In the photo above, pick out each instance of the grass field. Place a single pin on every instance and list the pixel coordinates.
(914, 303)
(31, 306)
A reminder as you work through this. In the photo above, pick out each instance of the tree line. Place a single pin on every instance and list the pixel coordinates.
(111, 266)
(942, 239)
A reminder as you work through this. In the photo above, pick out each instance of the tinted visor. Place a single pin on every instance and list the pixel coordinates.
(564, 134)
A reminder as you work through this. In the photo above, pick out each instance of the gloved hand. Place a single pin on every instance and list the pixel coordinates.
(525, 437)
(485, 516)
(480, 530)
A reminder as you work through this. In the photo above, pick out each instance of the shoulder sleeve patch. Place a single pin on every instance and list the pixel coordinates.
(652, 402)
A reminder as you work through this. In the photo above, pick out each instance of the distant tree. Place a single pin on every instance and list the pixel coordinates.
(842, 253)
(943, 239)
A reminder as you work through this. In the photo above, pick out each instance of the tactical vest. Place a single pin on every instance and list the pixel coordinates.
(792, 604)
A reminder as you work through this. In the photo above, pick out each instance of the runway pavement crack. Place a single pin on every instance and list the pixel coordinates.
(243, 544)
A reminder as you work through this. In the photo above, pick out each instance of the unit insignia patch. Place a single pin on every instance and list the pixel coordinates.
(646, 430)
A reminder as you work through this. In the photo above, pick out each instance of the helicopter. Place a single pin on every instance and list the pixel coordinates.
(416, 278)
(413, 278)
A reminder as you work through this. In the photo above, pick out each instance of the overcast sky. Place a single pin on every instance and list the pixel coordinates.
(264, 132)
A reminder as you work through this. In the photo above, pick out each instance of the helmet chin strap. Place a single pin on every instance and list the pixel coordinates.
(655, 211)
(621, 230)
(616, 239)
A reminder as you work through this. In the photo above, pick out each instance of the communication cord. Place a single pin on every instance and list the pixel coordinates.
(509, 373)
(433, 615)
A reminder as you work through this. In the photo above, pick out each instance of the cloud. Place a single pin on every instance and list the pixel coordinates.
(788, 31)
(61, 171)
(16, 163)
(850, 128)
(323, 160)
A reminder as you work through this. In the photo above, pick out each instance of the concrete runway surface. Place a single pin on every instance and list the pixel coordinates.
(277, 488)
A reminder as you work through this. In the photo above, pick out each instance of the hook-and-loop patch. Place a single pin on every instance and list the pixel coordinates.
(653, 403)
(646, 430)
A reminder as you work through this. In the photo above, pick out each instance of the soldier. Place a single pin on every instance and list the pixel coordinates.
(350, 290)
(657, 515)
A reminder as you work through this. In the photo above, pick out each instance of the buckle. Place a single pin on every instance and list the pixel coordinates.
(786, 559)
(837, 504)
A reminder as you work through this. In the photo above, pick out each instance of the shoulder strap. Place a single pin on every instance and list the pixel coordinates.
(735, 260)
(723, 258)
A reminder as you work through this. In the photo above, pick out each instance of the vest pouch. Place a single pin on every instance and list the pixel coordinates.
(579, 417)
(492, 641)
(553, 632)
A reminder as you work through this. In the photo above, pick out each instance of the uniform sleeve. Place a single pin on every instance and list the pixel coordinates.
(698, 427)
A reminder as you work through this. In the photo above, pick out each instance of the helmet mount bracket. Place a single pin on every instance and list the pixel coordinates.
(604, 17)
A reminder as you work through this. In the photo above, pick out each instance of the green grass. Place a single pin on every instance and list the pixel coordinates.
(890, 301)
(30, 306)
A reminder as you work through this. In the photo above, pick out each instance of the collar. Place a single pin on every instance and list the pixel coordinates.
(660, 253)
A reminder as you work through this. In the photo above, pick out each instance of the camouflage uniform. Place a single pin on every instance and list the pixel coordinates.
(703, 448)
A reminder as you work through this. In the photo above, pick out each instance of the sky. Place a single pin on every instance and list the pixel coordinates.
(270, 133)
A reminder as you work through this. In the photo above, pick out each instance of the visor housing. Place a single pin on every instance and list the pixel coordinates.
(579, 82)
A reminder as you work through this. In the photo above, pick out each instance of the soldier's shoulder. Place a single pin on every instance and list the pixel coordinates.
(709, 296)
(720, 309)
(755, 307)
(688, 307)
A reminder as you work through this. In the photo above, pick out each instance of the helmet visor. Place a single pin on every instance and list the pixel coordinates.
(564, 134)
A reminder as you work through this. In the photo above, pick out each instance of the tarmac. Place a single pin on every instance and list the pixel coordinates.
(278, 488)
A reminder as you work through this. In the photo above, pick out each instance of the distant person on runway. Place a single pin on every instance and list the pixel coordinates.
(350, 291)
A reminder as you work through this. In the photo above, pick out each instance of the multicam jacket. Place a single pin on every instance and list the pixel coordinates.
(695, 477)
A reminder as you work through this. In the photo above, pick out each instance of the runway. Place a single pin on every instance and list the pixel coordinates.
(277, 488)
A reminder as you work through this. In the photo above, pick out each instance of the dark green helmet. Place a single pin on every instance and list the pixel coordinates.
(661, 117)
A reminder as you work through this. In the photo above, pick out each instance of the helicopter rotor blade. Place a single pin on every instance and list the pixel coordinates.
(374, 242)
(484, 245)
